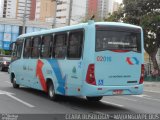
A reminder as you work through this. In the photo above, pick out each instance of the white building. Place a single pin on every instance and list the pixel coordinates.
(101, 8)
(8, 8)
(105, 7)
(77, 13)
(1, 8)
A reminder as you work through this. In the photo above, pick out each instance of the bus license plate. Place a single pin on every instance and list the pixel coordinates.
(117, 92)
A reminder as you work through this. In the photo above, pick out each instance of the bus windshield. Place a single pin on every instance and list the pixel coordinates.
(118, 40)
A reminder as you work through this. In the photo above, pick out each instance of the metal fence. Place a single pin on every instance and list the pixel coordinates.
(149, 76)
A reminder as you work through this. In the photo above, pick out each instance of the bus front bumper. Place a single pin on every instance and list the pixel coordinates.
(91, 90)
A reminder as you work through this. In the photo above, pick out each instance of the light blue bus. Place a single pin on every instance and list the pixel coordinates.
(93, 59)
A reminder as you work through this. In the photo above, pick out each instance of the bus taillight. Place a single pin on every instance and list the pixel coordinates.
(90, 77)
(142, 74)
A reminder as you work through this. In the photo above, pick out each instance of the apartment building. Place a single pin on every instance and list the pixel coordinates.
(100, 8)
(39, 10)
(8, 8)
(21, 9)
(45, 10)
(77, 11)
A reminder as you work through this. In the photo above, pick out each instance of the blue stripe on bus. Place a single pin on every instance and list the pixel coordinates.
(61, 81)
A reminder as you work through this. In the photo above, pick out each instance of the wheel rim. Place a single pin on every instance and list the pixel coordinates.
(14, 81)
(51, 91)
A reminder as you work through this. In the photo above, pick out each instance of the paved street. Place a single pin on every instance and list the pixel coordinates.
(29, 101)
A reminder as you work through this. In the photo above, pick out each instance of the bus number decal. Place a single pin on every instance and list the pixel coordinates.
(104, 59)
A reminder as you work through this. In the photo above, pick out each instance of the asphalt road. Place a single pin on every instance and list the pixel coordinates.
(29, 101)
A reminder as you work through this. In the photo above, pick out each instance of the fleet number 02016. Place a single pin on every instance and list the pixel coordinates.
(104, 59)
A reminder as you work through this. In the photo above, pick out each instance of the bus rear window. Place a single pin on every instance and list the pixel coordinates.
(118, 40)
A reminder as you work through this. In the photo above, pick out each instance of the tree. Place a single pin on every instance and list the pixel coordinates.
(149, 22)
(116, 16)
(145, 13)
(2, 51)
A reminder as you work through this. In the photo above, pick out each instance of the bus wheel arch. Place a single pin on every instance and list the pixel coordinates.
(51, 89)
(13, 81)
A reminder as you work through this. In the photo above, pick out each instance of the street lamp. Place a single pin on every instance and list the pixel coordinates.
(54, 18)
(24, 18)
(70, 12)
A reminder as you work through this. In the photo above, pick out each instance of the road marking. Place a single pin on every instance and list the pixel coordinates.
(4, 92)
(7, 82)
(15, 98)
(127, 99)
(152, 99)
(21, 101)
(112, 103)
(147, 97)
(152, 91)
(141, 96)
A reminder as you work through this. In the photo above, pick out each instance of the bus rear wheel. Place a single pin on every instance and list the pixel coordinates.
(15, 85)
(51, 92)
(96, 99)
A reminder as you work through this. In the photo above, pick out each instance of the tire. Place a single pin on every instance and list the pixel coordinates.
(15, 85)
(51, 92)
(94, 99)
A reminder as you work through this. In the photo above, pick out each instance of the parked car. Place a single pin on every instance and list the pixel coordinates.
(4, 63)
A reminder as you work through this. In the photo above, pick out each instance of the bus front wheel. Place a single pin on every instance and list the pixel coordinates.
(15, 85)
(94, 98)
(51, 92)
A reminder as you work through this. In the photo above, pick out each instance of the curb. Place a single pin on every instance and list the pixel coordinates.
(152, 84)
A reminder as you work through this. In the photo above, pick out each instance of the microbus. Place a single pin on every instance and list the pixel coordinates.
(93, 59)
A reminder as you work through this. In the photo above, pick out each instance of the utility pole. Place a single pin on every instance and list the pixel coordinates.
(24, 18)
(54, 18)
(70, 12)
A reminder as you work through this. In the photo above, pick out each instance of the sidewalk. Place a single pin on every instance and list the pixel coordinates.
(152, 86)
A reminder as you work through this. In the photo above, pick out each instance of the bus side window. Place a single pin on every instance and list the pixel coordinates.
(60, 46)
(17, 51)
(75, 45)
(46, 46)
(27, 48)
(36, 47)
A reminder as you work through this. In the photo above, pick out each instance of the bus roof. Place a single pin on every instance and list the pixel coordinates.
(60, 29)
(82, 25)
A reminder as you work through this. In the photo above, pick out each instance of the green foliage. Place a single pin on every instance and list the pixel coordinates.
(149, 22)
(2, 51)
(116, 16)
(5, 52)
